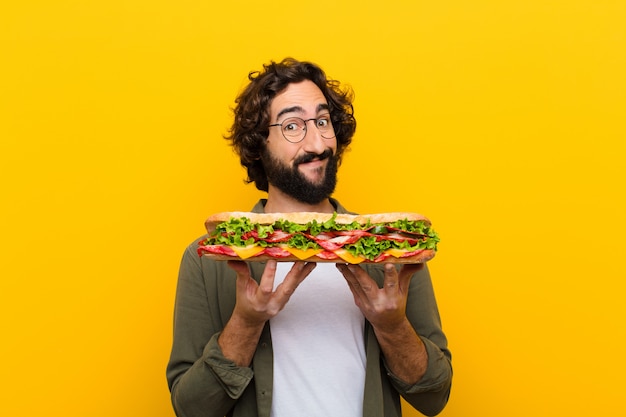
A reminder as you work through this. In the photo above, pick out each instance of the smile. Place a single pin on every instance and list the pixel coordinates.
(314, 163)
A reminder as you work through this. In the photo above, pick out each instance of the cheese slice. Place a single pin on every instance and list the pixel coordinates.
(348, 257)
(247, 251)
(303, 254)
(397, 253)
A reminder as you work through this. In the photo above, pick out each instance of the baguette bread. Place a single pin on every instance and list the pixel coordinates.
(307, 217)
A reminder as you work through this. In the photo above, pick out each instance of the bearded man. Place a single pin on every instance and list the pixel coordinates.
(288, 339)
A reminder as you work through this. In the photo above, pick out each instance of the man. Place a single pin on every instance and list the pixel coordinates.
(292, 339)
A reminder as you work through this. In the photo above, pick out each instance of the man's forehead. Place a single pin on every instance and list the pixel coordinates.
(299, 97)
(300, 110)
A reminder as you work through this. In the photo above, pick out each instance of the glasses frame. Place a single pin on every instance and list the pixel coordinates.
(305, 121)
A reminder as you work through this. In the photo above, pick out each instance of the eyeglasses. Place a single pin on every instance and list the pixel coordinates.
(294, 128)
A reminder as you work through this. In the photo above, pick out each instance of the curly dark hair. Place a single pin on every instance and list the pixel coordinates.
(250, 127)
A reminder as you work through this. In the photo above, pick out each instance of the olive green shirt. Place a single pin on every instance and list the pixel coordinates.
(203, 383)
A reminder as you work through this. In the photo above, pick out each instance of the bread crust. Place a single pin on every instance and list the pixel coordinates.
(306, 217)
(421, 257)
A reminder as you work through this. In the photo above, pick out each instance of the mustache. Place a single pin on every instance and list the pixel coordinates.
(308, 157)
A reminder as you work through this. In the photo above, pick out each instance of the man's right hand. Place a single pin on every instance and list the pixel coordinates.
(255, 304)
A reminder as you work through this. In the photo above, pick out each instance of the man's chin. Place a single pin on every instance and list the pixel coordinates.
(314, 177)
(315, 182)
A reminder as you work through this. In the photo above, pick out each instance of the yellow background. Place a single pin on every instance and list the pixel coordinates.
(503, 121)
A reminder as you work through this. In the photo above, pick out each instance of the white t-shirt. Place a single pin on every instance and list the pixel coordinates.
(319, 351)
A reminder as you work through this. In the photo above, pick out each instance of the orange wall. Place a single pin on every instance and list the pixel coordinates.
(501, 121)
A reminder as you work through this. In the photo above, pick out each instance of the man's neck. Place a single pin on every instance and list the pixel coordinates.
(279, 202)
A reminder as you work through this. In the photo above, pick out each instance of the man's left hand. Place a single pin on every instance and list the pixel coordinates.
(383, 307)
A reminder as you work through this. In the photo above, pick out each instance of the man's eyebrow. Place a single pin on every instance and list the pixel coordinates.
(293, 109)
(322, 106)
(299, 109)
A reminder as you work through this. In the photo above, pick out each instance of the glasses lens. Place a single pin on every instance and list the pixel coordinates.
(293, 129)
(325, 126)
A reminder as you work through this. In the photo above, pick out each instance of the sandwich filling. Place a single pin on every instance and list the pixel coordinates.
(354, 242)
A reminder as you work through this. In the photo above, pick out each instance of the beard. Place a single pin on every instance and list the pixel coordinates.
(293, 183)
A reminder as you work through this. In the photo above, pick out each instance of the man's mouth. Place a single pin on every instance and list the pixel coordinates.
(310, 157)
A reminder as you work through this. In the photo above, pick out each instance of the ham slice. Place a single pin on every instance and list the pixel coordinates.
(216, 250)
(276, 252)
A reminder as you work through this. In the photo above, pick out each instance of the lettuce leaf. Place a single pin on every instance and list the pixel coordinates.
(300, 241)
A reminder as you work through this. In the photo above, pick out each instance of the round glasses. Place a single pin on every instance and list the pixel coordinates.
(294, 128)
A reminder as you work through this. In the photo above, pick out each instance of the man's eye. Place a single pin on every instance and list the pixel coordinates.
(323, 121)
(290, 127)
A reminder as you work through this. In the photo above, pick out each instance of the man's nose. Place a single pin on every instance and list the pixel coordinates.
(313, 140)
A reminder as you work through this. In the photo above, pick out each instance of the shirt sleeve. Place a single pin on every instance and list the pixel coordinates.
(201, 380)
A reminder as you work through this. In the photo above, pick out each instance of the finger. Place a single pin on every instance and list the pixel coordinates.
(246, 285)
(240, 267)
(347, 274)
(360, 282)
(391, 280)
(266, 285)
(360, 298)
(406, 273)
(298, 272)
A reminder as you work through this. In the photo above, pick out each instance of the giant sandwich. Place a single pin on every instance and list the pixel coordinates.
(319, 237)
